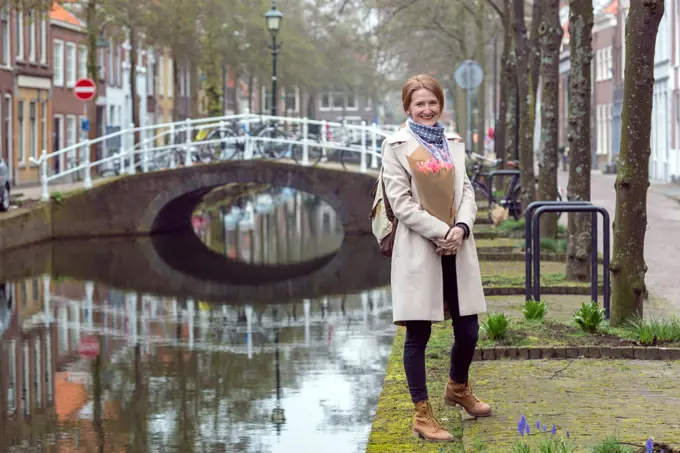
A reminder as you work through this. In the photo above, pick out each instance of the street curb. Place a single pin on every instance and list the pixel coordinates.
(573, 352)
(545, 290)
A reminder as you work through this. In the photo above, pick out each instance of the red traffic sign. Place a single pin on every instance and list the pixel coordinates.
(85, 89)
(89, 347)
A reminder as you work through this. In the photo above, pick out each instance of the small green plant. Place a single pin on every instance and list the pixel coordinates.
(611, 445)
(58, 197)
(589, 317)
(496, 326)
(654, 331)
(534, 311)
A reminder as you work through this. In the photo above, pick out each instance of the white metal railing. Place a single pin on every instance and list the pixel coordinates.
(163, 146)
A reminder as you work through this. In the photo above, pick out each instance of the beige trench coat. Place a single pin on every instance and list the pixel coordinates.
(417, 284)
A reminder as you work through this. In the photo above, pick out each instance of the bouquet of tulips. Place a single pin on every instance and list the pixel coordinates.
(434, 181)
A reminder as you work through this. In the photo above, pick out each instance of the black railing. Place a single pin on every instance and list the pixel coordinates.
(535, 239)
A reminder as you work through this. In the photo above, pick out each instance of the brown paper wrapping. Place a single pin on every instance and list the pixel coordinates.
(436, 191)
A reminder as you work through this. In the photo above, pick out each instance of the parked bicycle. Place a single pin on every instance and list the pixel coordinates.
(508, 198)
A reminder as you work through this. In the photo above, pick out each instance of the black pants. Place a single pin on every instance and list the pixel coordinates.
(465, 332)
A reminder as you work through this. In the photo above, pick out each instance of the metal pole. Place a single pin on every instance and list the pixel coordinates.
(469, 114)
(275, 52)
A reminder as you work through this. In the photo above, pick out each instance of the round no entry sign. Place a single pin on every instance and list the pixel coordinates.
(85, 89)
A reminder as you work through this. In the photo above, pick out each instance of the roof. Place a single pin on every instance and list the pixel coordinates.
(60, 14)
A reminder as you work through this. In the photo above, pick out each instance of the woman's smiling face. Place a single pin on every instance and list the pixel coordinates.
(424, 108)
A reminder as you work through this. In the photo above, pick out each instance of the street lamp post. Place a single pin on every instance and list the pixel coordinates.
(273, 18)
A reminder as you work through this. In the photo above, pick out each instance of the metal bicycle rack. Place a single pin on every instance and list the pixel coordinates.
(491, 177)
(534, 237)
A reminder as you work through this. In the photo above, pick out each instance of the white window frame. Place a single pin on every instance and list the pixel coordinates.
(82, 61)
(5, 60)
(58, 56)
(71, 66)
(296, 109)
(355, 107)
(19, 35)
(43, 39)
(31, 36)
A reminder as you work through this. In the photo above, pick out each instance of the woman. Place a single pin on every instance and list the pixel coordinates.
(430, 258)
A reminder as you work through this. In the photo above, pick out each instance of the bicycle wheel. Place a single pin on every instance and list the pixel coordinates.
(226, 148)
(272, 149)
(314, 151)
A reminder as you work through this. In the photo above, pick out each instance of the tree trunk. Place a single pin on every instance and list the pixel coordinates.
(480, 20)
(526, 108)
(580, 45)
(501, 118)
(551, 37)
(535, 43)
(511, 120)
(630, 221)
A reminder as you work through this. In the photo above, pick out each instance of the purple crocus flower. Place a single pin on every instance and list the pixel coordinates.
(520, 426)
(649, 447)
(538, 424)
(554, 430)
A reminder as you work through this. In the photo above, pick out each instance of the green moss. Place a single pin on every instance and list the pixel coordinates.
(391, 432)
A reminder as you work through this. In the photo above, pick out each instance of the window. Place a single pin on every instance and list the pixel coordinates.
(19, 31)
(5, 36)
(171, 78)
(20, 116)
(43, 127)
(58, 62)
(624, 16)
(33, 129)
(101, 57)
(292, 100)
(338, 100)
(266, 100)
(31, 36)
(448, 100)
(70, 64)
(351, 101)
(119, 65)
(325, 101)
(43, 39)
(70, 130)
(82, 62)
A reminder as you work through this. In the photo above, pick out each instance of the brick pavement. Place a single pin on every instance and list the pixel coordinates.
(662, 247)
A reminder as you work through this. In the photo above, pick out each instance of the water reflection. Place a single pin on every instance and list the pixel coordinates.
(270, 226)
(85, 367)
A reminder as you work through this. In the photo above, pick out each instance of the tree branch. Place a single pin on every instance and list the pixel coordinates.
(497, 9)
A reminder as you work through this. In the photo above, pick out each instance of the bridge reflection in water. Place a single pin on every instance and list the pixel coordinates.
(181, 374)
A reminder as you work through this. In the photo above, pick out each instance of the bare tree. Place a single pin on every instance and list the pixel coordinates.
(551, 33)
(581, 49)
(630, 221)
(526, 107)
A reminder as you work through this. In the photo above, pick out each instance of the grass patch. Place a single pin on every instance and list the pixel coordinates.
(391, 432)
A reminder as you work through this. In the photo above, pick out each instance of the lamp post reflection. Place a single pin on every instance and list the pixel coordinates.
(278, 416)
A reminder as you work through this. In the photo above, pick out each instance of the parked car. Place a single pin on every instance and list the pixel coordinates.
(4, 186)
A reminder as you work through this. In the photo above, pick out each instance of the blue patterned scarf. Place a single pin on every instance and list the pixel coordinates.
(432, 138)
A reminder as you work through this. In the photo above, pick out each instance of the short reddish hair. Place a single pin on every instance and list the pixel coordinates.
(417, 82)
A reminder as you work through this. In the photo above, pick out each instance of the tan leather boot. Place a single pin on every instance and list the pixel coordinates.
(426, 426)
(462, 394)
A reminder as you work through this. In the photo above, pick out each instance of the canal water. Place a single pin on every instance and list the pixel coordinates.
(87, 366)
